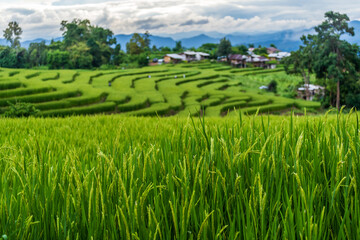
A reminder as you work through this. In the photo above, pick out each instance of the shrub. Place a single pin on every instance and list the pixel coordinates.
(56, 77)
(272, 86)
(92, 109)
(41, 97)
(21, 109)
(24, 91)
(9, 85)
(107, 67)
(353, 100)
(13, 73)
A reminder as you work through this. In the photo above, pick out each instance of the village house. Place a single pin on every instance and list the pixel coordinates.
(195, 56)
(174, 58)
(314, 90)
(258, 61)
(278, 56)
(238, 60)
(185, 56)
(271, 50)
(189, 56)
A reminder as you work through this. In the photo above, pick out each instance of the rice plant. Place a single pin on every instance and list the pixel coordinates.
(205, 88)
(241, 177)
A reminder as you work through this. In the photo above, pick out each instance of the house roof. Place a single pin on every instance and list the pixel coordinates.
(195, 53)
(190, 53)
(257, 59)
(175, 56)
(272, 49)
(311, 87)
(279, 55)
(236, 57)
(203, 54)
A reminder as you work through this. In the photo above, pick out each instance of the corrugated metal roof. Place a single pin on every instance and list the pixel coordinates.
(175, 56)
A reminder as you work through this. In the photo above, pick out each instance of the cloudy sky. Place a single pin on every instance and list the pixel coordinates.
(40, 18)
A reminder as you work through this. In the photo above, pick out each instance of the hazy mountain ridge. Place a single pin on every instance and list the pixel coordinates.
(287, 40)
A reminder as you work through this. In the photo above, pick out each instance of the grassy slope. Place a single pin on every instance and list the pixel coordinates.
(144, 178)
(181, 89)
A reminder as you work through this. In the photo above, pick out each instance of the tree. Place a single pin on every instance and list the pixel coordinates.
(76, 31)
(209, 46)
(136, 45)
(118, 55)
(178, 47)
(37, 54)
(8, 58)
(224, 48)
(80, 57)
(243, 49)
(301, 61)
(98, 40)
(57, 59)
(165, 49)
(261, 51)
(147, 41)
(154, 49)
(12, 57)
(273, 45)
(336, 59)
(12, 34)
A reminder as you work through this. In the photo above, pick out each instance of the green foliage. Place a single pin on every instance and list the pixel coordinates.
(87, 45)
(165, 49)
(257, 177)
(262, 51)
(209, 46)
(80, 56)
(118, 56)
(21, 109)
(136, 45)
(161, 90)
(142, 60)
(6, 85)
(353, 100)
(224, 48)
(178, 47)
(58, 59)
(334, 61)
(243, 49)
(37, 54)
(12, 34)
(85, 110)
(12, 57)
(272, 87)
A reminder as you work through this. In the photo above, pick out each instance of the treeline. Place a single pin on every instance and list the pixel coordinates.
(84, 46)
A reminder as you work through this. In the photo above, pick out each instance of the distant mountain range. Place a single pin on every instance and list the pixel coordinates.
(287, 40)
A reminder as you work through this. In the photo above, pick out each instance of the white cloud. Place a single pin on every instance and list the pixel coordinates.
(41, 18)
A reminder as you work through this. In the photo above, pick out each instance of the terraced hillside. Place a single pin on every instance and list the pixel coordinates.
(209, 89)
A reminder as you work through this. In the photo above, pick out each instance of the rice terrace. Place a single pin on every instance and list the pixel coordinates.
(163, 90)
(184, 133)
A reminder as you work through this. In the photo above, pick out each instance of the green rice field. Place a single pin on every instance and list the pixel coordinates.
(196, 89)
(115, 177)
